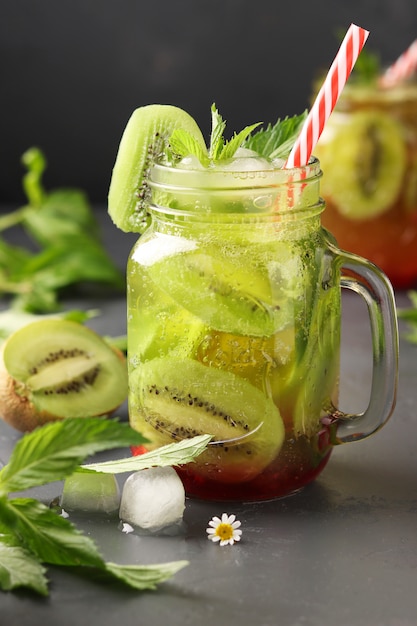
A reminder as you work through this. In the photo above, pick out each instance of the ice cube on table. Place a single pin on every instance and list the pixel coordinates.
(92, 493)
(153, 499)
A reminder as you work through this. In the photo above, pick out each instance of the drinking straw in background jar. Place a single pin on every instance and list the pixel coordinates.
(328, 96)
(368, 154)
(403, 68)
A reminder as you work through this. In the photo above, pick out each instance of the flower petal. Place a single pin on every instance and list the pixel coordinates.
(224, 530)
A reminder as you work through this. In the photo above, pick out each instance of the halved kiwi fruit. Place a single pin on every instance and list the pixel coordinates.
(144, 140)
(56, 368)
(363, 162)
(173, 399)
(229, 297)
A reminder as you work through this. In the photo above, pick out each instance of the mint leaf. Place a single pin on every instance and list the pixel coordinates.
(12, 257)
(69, 262)
(53, 539)
(218, 126)
(220, 149)
(63, 212)
(54, 451)
(18, 568)
(76, 258)
(276, 141)
(178, 453)
(145, 576)
(64, 230)
(236, 141)
(183, 144)
(49, 538)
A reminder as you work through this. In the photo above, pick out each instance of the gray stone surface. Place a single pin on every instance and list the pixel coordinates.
(343, 551)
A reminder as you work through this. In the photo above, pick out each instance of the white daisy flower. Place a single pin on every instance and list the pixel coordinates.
(225, 530)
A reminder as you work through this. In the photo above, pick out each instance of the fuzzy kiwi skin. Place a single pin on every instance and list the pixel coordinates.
(18, 411)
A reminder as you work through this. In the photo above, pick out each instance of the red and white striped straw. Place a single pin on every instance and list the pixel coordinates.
(403, 68)
(327, 97)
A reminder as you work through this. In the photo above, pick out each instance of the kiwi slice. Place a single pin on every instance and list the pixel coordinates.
(143, 142)
(363, 162)
(222, 294)
(56, 369)
(174, 332)
(173, 399)
(318, 370)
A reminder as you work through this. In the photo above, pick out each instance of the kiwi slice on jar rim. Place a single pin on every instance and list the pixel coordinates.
(143, 142)
(174, 399)
(54, 369)
(363, 158)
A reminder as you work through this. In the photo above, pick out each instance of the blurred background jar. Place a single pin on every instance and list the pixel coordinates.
(368, 155)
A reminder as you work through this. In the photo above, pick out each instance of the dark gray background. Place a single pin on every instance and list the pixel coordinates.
(72, 72)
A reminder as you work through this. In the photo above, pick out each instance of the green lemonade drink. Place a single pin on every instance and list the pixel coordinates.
(236, 335)
(234, 308)
(368, 153)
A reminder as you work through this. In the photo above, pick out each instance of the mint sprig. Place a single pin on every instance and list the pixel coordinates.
(275, 141)
(183, 144)
(65, 248)
(32, 534)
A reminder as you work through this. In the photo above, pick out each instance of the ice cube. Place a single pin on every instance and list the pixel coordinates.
(190, 162)
(244, 152)
(92, 493)
(278, 163)
(153, 499)
(245, 160)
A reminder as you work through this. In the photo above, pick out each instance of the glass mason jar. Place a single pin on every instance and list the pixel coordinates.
(368, 153)
(234, 314)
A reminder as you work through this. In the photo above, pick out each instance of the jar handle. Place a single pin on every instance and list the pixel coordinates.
(371, 283)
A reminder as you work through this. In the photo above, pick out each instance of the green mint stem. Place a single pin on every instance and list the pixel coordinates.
(12, 219)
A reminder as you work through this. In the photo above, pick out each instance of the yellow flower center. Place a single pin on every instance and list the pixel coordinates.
(224, 531)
